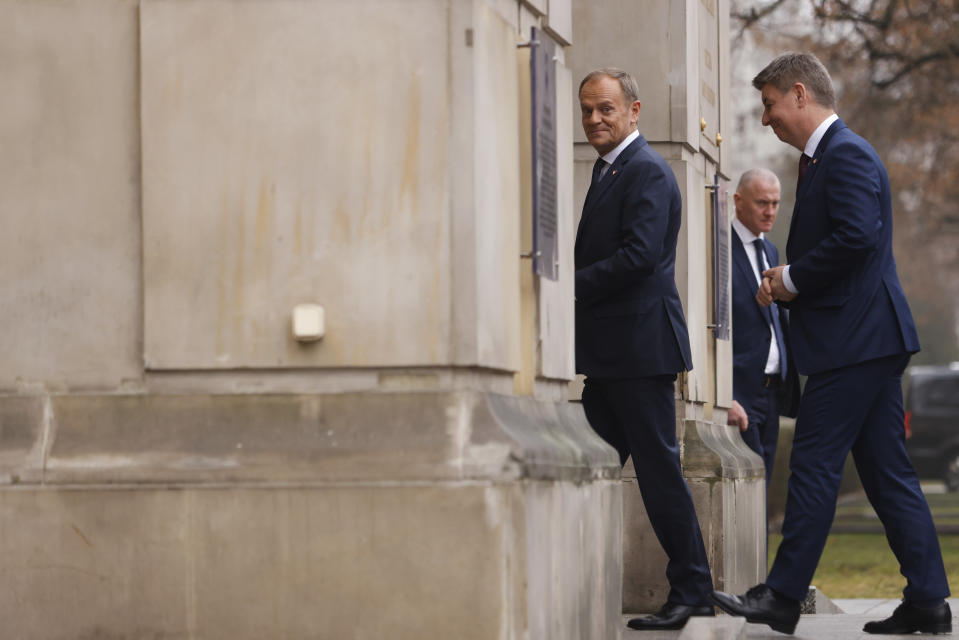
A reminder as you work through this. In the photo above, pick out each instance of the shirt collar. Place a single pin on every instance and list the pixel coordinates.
(744, 234)
(610, 157)
(817, 135)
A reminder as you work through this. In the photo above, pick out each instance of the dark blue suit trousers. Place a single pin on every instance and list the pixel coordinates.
(857, 408)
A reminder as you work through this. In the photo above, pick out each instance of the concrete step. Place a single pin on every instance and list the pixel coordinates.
(819, 626)
(721, 627)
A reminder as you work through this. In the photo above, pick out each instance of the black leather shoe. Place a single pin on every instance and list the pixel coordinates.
(763, 605)
(909, 619)
(671, 616)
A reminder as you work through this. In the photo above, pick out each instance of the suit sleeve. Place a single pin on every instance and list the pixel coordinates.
(644, 219)
(853, 207)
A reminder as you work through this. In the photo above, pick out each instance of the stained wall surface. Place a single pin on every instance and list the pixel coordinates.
(69, 195)
(176, 176)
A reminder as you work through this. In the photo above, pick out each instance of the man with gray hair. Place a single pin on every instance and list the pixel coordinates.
(631, 337)
(765, 384)
(852, 334)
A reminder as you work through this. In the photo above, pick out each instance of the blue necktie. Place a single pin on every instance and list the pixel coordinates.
(772, 312)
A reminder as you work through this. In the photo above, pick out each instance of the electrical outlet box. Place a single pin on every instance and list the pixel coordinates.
(309, 322)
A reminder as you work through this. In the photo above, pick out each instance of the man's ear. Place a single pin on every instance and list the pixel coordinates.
(634, 111)
(799, 91)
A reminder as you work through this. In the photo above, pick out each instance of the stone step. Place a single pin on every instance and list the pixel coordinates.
(722, 627)
(845, 625)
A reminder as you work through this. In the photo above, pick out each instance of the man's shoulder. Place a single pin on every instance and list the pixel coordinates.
(644, 158)
(845, 140)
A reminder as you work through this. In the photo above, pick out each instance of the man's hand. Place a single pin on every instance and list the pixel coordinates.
(773, 288)
(737, 416)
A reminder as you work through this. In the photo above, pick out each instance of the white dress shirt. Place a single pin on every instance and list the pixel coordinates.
(610, 157)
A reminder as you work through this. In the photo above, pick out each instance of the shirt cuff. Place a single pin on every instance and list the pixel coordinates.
(788, 282)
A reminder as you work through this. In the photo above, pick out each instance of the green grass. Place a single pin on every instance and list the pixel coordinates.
(862, 566)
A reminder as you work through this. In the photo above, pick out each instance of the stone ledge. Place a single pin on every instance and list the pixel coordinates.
(407, 436)
(715, 450)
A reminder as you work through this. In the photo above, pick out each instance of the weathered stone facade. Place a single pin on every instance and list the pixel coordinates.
(176, 176)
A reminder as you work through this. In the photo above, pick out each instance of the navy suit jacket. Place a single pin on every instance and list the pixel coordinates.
(751, 333)
(851, 306)
(629, 318)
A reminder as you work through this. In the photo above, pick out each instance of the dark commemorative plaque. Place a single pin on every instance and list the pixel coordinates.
(543, 75)
(720, 202)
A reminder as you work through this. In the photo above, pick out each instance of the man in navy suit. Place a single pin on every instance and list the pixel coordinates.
(631, 337)
(852, 334)
(762, 365)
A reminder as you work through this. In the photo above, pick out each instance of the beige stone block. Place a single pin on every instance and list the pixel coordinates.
(559, 20)
(726, 102)
(708, 90)
(410, 436)
(22, 429)
(528, 18)
(449, 560)
(538, 6)
(69, 194)
(707, 496)
(402, 562)
(644, 561)
(649, 40)
(234, 438)
(508, 10)
(485, 190)
(678, 52)
(744, 526)
(575, 544)
(712, 57)
(296, 152)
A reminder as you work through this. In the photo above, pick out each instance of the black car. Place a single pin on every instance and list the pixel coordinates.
(932, 422)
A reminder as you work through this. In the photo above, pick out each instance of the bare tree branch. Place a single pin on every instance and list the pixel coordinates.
(747, 19)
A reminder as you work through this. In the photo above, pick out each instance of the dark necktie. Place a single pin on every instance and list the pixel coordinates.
(803, 165)
(772, 311)
(597, 168)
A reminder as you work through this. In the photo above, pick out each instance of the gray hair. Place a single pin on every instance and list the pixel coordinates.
(790, 68)
(626, 81)
(757, 175)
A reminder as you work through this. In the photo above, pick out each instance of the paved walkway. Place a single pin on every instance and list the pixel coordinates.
(842, 626)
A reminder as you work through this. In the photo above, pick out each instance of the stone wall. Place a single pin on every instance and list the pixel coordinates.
(174, 463)
(176, 176)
